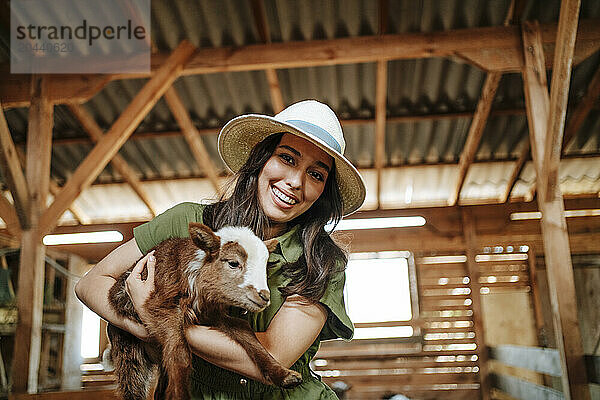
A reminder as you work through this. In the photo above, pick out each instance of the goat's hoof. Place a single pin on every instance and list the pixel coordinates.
(292, 379)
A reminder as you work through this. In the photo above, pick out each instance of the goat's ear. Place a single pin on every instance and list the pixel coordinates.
(205, 238)
(271, 244)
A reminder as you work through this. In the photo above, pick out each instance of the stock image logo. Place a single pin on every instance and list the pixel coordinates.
(80, 36)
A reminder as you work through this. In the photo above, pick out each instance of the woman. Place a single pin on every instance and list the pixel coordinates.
(292, 179)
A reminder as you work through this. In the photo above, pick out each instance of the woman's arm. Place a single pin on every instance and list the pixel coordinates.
(291, 332)
(92, 289)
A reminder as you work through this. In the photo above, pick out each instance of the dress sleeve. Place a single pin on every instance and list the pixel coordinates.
(338, 323)
(171, 223)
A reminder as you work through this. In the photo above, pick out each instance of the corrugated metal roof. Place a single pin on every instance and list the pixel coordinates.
(421, 156)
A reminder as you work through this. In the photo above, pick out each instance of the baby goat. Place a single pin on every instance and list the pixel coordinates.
(196, 280)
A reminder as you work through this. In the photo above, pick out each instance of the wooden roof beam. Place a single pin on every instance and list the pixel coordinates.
(345, 122)
(475, 132)
(260, 21)
(581, 111)
(13, 174)
(380, 116)
(63, 88)
(559, 94)
(490, 48)
(117, 135)
(192, 137)
(95, 132)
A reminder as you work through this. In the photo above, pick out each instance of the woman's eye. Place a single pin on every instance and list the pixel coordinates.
(287, 158)
(233, 264)
(317, 175)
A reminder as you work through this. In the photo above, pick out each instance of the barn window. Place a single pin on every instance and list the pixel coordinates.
(90, 337)
(378, 293)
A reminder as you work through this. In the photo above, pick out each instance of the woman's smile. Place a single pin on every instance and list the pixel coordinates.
(280, 196)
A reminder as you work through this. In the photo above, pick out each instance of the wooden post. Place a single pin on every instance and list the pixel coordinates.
(71, 372)
(474, 274)
(31, 265)
(380, 117)
(561, 282)
(536, 301)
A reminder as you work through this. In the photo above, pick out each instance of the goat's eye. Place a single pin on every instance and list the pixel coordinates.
(233, 264)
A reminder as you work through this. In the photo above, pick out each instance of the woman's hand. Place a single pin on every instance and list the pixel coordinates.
(139, 289)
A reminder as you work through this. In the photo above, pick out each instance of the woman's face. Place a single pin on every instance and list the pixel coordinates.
(292, 179)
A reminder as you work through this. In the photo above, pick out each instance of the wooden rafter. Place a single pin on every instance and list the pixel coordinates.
(116, 136)
(260, 21)
(9, 216)
(95, 132)
(380, 116)
(482, 112)
(559, 94)
(554, 229)
(478, 45)
(580, 113)
(475, 132)
(512, 180)
(192, 137)
(77, 212)
(13, 173)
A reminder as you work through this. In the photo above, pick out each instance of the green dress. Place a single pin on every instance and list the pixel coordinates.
(211, 382)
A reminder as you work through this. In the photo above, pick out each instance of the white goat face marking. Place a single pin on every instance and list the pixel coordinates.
(258, 255)
(193, 268)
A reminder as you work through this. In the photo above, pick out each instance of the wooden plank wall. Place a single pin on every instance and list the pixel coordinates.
(444, 363)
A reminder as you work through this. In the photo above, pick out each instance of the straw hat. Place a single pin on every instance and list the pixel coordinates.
(307, 119)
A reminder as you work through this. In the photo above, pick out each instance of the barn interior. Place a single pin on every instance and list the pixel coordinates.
(476, 127)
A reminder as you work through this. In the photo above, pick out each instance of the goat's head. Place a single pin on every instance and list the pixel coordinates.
(235, 264)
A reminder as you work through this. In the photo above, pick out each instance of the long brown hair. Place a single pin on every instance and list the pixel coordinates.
(321, 258)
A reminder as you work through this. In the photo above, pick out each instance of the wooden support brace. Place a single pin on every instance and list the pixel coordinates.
(557, 252)
(559, 94)
(91, 127)
(475, 132)
(123, 127)
(192, 137)
(580, 113)
(13, 174)
(9, 215)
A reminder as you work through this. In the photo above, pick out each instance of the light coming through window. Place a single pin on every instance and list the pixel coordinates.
(377, 290)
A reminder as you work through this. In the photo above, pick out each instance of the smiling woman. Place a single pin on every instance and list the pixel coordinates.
(291, 180)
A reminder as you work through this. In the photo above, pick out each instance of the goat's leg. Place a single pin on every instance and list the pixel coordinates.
(176, 353)
(132, 368)
(239, 330)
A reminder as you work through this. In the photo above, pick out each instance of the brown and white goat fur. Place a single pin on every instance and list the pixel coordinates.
(196, 280)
